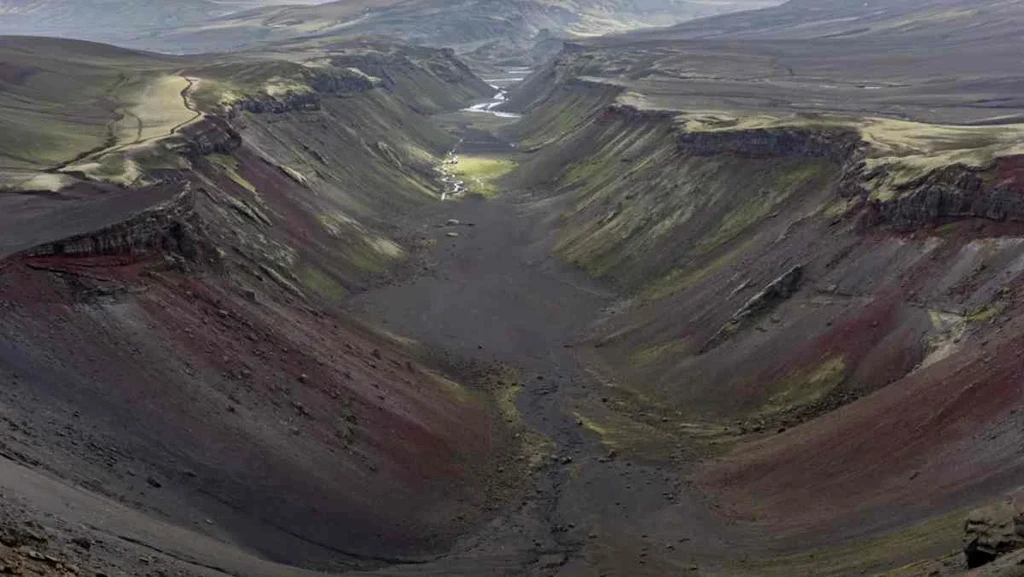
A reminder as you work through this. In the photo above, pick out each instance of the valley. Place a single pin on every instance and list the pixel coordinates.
(735, 297)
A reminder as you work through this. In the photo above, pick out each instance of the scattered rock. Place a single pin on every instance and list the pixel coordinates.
(770, 297)
(993, 531)
(453, 235)
(453, 222)
(551, 560)
(153, 482)
(303, 378)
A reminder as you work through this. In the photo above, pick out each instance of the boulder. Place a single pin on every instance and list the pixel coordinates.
(993, 531)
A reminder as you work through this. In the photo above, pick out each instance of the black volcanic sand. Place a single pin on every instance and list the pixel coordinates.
(493, 294)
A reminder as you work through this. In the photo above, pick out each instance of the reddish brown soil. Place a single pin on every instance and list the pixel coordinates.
(235, 405)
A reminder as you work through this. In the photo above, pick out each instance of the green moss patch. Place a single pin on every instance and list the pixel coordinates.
(481, 173)
(806, 387)
(916, 549)
(322, 283)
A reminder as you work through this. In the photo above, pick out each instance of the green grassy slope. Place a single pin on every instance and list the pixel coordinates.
(60, 99)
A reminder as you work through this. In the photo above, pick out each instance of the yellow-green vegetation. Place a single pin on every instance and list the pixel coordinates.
(112, 168)
(549, 124)
(683, 278)
(789, 177)
(649, 433)
(279, 86)
(336, 223)
(635, 194)
(155, 111)
(653, 353)
(222, 84)
(925, 541)
(986, 313)
(947, 330)
(906, 149)
(806, 387)
(43, 182)
(295, 175)
(67, 100)
(909, 150)
(230, 166)
(621, 433)
(481, 173)
(150, 110)
(629, 421)
(321, 283)
(503, 383)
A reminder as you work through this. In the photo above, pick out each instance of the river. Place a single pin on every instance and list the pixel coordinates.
(508, 77)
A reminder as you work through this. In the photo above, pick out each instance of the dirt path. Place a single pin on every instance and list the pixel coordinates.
(494, 294)
(186, 98)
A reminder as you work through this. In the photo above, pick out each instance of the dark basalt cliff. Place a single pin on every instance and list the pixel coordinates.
(833, 144)
(172, 227)
(993, 192)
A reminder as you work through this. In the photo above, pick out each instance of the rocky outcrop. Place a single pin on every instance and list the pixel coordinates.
(342, 84)
(321, 83)
(632, 113)
(993, 531)
(835, 144)
(770, 297)
(266, 104)
(949, 193)
(169, 227)
(208, 136)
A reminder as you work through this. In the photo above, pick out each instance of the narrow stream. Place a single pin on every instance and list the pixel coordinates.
(509, 77)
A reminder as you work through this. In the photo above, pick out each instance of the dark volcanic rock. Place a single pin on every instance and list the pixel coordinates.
(167, 227)
(953, 192)
(993, 531)
(838, 144)
(777, 291)
(208, 136)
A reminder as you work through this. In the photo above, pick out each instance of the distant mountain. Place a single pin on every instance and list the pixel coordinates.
(101, 17)
(950, 21)
(113, 20)
(488, 30)
(484, 30)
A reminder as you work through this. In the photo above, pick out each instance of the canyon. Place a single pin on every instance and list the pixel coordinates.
(733, 297)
